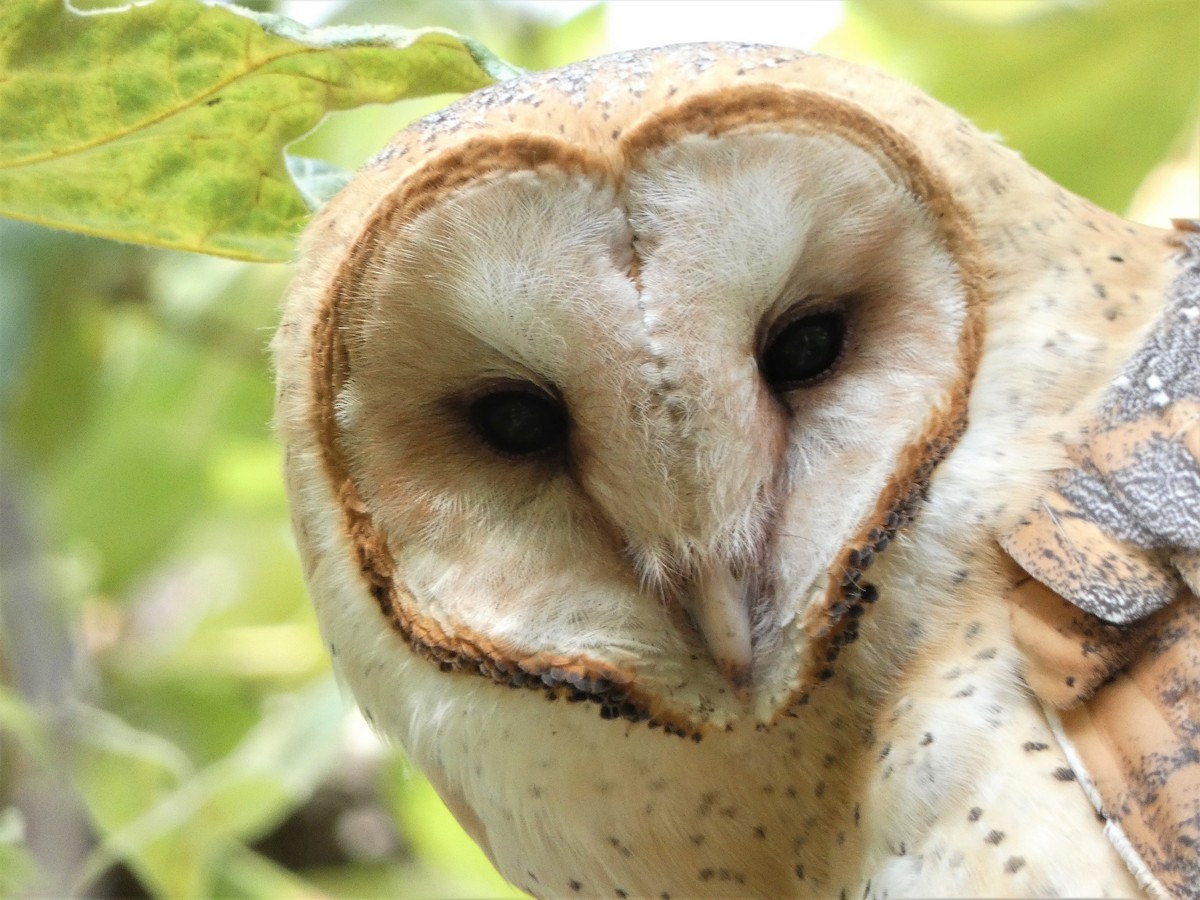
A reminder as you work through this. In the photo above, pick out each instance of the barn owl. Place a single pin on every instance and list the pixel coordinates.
(727, 472)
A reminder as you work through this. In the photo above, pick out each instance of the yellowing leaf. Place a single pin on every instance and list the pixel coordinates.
(165, 123)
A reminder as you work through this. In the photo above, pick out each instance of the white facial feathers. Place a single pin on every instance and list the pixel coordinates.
(644, 306)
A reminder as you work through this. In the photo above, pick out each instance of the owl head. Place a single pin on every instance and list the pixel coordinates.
(617, 383)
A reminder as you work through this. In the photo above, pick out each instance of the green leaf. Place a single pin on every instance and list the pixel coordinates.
(176, 829)
(19, 719)
(1093, 94)
(249, 874)
(165, 123)
(17, 867)
(120, 772)
(440, 842)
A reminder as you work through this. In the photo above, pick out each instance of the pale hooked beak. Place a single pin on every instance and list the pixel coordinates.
(718, 606)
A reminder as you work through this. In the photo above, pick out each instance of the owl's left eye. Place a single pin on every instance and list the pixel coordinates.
(518, 422)
(804, 350)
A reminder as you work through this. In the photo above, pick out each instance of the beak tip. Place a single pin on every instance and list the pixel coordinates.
(719, 609)
(740, 677)
(737, 673)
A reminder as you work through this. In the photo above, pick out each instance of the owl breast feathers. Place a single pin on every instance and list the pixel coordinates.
(831, 471)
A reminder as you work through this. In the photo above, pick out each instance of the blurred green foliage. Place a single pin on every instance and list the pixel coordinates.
(1091, 93)
(166, 704)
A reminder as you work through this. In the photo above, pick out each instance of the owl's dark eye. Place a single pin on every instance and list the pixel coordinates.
(804, 350)
(519, 422)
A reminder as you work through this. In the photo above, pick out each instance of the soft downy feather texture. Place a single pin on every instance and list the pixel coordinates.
(802, 581)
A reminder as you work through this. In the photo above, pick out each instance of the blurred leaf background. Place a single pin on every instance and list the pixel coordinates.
(168, 722)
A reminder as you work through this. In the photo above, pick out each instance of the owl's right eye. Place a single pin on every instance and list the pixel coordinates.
(804, 351)
(518, 422)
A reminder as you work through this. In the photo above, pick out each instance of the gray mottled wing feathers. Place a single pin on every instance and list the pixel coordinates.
(1118, 535)
(1105, 600)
